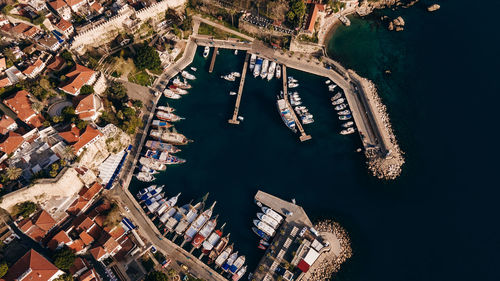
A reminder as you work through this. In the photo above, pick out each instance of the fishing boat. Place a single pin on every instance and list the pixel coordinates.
(260, 233)
(175, 218)
(267, 219)
(270, 72)
(264, 227)
(332, 87)
(181, 84)
(344, 112)
(228, 77)
(193, 68)
(340, 106)
(217, 249)
(145, 196)
(264, 242)
(345, 117)
(212, 240)
(278, 71)
(168, 116)
(263, 72)
(339, 101)
(188, 75)
(171, 95)
(145, 177)
(347, 124)
(170, 137)
(286, 115)
(240, 273)
(336, 96)
(204, 232)
(292, 85)
(237, 264)
(206, 52)
(257, 68)
(160, 124)
(167, 215)
(152, 164)
(348, 131)
(223, 256)
(328, 81)
(145, 190)
(230, 260)
(270, 212)
(160, 146)
(253, 57)
(168, 204)
(190, 216)
(232, 93)
(198, 224)
(236, 74)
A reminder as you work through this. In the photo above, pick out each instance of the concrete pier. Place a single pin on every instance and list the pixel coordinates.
(212, 63)
(235, 120)
(303, 135)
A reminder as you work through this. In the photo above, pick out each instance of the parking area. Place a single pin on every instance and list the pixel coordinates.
(265, 23)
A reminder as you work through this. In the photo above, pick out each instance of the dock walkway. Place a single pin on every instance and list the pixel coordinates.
(212, 63)
(234, 120)
(303, 135)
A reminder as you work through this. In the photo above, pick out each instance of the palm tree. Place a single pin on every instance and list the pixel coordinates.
(68, 153)
(13, 173)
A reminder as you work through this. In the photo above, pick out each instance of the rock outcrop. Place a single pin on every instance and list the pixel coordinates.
(433, 7)
(397, 24)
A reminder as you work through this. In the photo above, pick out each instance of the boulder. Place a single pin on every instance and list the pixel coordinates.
(433, 7)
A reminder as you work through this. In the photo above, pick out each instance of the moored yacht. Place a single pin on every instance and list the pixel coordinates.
(338, 101)
(278, 71)
(263, 72)
(348, 131)
(286, 115)
(270, 72)
(257, 68)
(171, 95)
(253, 57)
(160, 146)
(206, 51)
(188, 75)
(348, 124)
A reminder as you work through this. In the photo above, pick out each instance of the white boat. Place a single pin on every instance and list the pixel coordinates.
(186, 220)
(239, 262)
(168, 204)
(240, 273)
(292, 85)
(193, 68)
(267, 219)
(339, 101)
(181, 84)
(235, 52)
(229, 261)
(232, 93)
(344, 112)
(167, 215)
(206, 52)
(278, 71)
(340, 106)
(348, 131)
(145, 177)
(336, 96)
(332, 87)
(167, 109)
(171, 95)
(229, 77)
(264, 227)
(177, 90)
(348, 124)
(235, 74)
(270, 72)
(170, 137)
(291, 79)
(198, 224)
(263, 72)
(152, 164)
(188, 75)
(328, 82)
(253, 57)
(241, 118)
(146, 190)
(270, 212)
(148, 170)
(171, 117)
(223, 256)
(257, 68)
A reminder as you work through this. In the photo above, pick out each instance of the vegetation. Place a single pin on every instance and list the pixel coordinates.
(117, 111)
(206, 29)
(65, 277)
(3, 269)
(147, 57)
(336, 5)
(64, 258)
(86, 90)
(296, 13)
(113, 216)
(13, 173)
(24, 209)
(156, 276)
(141, 78)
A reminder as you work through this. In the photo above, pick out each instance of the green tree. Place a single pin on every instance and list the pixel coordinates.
(117, 93)
(296, 13)
(24, 209)
(68, 112)
(86, 90)
(137, 103)
(156, 276)
(147, 57)
(13, 173)
(64, 258)
(3, 269)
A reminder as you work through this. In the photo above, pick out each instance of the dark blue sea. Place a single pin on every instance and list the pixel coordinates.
(438, 221)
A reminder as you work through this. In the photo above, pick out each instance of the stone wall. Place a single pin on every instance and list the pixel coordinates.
(66, 184)
(108, 30)
(305, 47)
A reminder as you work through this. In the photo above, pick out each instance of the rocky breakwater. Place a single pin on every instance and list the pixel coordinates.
(329, 266)
(433, 7)
(396, 24)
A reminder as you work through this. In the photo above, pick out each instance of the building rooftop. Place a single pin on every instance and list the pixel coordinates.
(33, 267)
(78, 77)
(11, 143)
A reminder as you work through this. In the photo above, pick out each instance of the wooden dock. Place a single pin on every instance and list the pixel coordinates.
(303, 135)
(212, 63)
(235, 120)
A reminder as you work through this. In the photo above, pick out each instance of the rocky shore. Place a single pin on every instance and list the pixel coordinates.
(397, 24)
(383, 166)
(327, 267)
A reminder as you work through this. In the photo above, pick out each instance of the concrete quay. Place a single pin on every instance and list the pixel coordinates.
(297, 238)
(235, 120)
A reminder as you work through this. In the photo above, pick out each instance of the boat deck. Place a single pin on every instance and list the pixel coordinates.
(212, 63)
(234, 120)
(303, 135)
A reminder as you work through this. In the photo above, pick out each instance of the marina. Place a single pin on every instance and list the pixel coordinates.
(214, 56)
(234, 120)
(303, 135)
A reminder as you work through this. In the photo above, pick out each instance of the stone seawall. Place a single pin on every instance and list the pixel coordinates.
(108, 30)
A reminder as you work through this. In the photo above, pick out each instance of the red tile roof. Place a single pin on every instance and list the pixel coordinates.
(31, 31)
(72, 135)
(60, 238)
(88, 275)
(86, 104)
(28, 71)
(56, 64)
(44, 220)
(73, 2)
(20, 28)
(63, 25)
(96, 6)
(32, 266)
(78, 77)
(85, 225)
(86, 238)
(89, 134)
(77, 245)
(78, 265)
(89, 192)
(11, 143)
(4, 82)
(311, 20)
(97, 252)
(3, 64)
(57, 4)
(5, 122)
(77, 206)
(21, 105)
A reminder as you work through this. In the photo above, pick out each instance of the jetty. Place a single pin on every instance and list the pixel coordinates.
(303, 135)
(298, 244)
(235, 120)
(212, 63)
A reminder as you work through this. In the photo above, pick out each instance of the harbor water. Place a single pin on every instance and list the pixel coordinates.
(426, 225)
